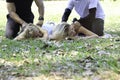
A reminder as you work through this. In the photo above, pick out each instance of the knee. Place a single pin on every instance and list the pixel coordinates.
(99, 32)
(9, 35)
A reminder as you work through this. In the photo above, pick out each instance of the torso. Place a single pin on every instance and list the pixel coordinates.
(23, 8)
(82, 7)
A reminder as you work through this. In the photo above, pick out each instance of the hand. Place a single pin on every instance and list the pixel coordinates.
(24, 26)
(74, 19)
(40, 23)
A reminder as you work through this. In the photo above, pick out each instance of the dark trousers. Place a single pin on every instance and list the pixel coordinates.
(96, 25)
(12, 28)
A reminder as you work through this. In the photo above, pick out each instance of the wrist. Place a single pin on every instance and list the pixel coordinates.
(41, 18)
(24, 24)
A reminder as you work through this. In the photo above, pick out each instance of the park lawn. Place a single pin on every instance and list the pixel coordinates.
(82, 59)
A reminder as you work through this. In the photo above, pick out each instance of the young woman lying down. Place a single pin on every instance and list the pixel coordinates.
(50, 31)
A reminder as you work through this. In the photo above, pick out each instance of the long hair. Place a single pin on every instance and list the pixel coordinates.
(30, 31)
(60, 31)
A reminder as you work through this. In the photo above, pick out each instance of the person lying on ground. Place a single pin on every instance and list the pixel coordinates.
(32, 31)
(54, 32)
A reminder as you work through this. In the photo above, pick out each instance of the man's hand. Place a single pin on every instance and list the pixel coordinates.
(40, 23)
(24, 24)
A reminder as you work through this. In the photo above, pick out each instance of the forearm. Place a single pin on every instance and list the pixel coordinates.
(40, 6)
(16, 18)
(87, 32)
(41, 11)
(12, 13)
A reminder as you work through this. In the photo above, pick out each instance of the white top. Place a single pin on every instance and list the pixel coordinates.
(82, 7)
(49, 26)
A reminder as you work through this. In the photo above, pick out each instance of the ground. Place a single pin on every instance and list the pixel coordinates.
(82, 59)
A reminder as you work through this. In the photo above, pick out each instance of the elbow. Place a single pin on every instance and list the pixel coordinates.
(95, 36)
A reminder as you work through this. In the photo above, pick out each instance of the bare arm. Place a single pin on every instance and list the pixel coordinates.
(12, 12)
(80, 29)
(87, 32)
(40, 6)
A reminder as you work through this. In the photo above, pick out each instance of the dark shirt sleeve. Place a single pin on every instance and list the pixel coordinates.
(9, 0)
(66, 15)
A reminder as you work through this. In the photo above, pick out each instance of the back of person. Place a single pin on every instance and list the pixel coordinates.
(49, 26)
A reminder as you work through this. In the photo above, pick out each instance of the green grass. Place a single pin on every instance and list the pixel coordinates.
(78, 60)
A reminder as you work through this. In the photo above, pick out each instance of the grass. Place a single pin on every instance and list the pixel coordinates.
(91, 59)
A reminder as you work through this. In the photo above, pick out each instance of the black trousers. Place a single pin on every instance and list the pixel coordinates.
(96, 25)
(12, 27)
